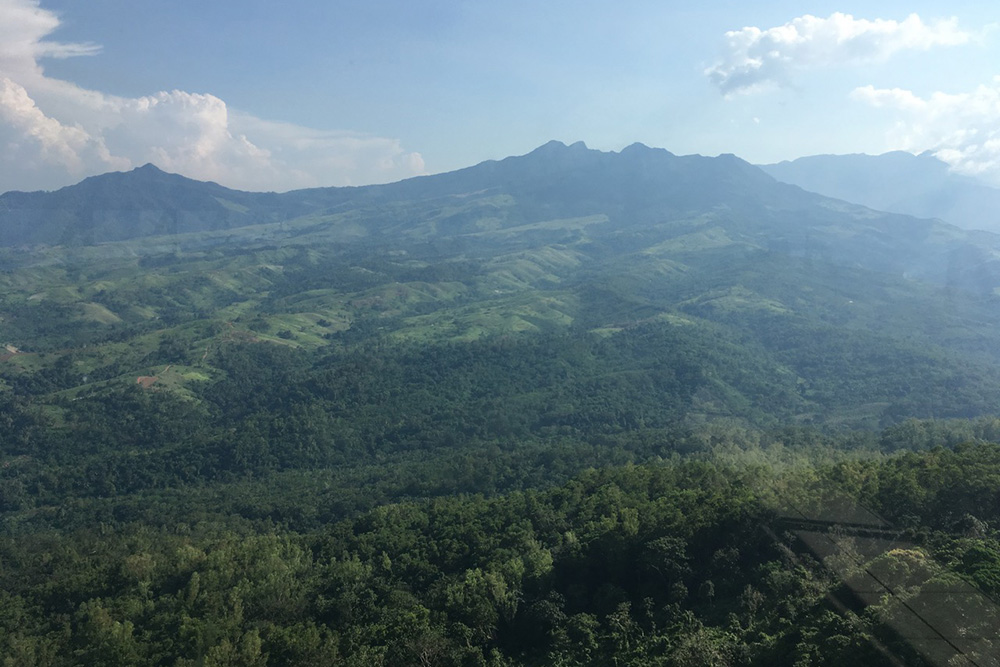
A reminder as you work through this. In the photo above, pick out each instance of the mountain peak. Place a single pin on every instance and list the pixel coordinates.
(556, 147)
(639, 148)
(550, 146)
(149, 170)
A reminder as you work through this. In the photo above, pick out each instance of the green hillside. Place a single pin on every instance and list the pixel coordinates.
(546, 410)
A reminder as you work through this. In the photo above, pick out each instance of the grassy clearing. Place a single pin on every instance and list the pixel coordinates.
(95, 312)
(546, 225)
(532, 312)
(737, 299)
(706, 239)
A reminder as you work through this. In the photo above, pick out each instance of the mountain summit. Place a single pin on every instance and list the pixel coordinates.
(634, 198)
(124, 205)
(552, 179)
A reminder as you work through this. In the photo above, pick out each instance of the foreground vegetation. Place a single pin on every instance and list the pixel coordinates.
(544, 499)
(660, 563)
(527, 424)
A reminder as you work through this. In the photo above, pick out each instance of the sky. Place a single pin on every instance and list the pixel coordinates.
(262, 95)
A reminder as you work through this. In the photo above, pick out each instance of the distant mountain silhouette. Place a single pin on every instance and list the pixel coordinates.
(918, 185)
(641, 195)
(118, 206)
(554, 179)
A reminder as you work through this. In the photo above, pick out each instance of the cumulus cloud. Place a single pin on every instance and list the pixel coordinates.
(23, 28)
(962, 129)
(758, 59)
(32, 140)
(53, 132)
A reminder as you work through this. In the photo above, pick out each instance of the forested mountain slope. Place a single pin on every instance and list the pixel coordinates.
(640, 196)
(535, 411)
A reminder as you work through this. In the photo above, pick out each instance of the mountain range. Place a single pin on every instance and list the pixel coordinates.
(570, 407)
(639, 195)
(900, 182)
(563, 180)
(564, 238)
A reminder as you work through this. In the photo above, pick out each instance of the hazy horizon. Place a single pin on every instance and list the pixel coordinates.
(259, 97)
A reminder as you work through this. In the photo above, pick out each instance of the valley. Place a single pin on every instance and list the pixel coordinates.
(529, 412)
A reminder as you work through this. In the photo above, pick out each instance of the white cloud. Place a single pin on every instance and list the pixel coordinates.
(357, 157)
(53, 132)
(758, 59)
(33, 142)
(962, 129)
(23, 25)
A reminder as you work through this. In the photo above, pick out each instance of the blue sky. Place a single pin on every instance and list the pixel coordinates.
(265, 95)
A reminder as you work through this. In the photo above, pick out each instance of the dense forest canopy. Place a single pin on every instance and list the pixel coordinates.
(563, 409)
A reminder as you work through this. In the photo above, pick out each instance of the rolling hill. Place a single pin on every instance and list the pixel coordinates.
(820, 295)
(563, 408)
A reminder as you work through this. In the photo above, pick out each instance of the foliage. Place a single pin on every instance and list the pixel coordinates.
(490, 427)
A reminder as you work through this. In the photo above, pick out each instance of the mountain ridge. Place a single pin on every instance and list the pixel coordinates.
(899, 182)
(104, 208)
(642, 196)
